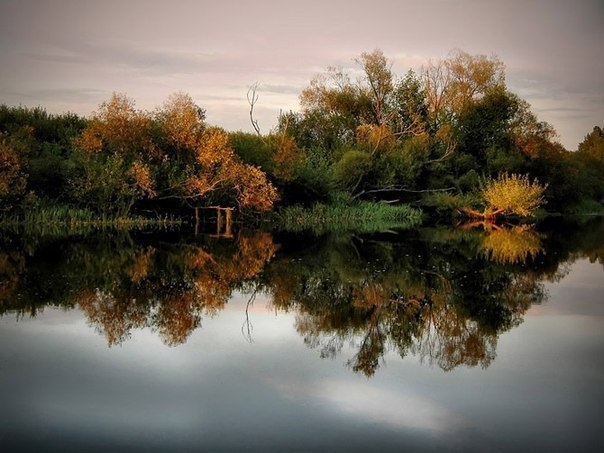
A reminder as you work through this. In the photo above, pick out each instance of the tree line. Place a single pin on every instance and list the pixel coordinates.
(444, 137)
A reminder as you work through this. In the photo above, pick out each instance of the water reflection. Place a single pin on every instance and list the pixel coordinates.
(508, 244)
(442, 294)
(428, 296)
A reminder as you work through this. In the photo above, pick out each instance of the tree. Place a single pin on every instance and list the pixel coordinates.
(118, 128)
(593, 144)
(44, 143)
(181, 123)
(454, 82)
(408, 106)
(333, 107)
(472, 76)
(590, 157)
(117, 148)
(512, 194)
(13, 179)
(218, 175)
(379, 80)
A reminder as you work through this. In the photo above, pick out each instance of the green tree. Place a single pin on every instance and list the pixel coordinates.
(590, 156)
(408, 107)
(48, 142)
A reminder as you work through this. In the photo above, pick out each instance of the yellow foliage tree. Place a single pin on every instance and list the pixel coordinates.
(118, 148)
(118, 128)
(512, 194)
(182, 121)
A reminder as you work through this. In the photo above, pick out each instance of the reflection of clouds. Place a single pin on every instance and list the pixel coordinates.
(576, 294)
(370, 404)
(382, 405)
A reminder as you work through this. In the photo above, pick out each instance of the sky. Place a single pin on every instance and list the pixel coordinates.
(71, 55)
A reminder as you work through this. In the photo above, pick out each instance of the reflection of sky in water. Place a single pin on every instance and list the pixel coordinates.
(61, 386)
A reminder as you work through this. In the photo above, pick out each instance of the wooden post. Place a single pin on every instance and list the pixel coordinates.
(219, 221)
(227, 230)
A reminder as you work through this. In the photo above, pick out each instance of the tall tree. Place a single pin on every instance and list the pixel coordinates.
(379, 82)
(460, 79)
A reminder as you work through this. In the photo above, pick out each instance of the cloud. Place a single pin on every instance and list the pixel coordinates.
(65, 94)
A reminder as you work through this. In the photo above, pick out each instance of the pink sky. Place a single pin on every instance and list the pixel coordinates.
(70, 55)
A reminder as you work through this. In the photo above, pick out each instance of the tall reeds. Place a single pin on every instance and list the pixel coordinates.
(61, 219)
(362, 216)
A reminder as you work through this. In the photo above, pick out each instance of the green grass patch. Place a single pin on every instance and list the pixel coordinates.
(361, 216)
(588, 207)
(61, 219)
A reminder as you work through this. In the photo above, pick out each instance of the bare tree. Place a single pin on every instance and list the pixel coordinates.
(252, 98)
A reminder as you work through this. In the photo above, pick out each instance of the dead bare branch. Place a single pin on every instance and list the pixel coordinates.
(252, 98)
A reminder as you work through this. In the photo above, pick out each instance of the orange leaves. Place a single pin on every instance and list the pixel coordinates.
(170, 153)
(91, 139)
(253, 190)
(141, 175)
(375, 137)
(214, 148)
(12, 177)
(182, 121)
(119, 128)
(219, 170)
(287, 159)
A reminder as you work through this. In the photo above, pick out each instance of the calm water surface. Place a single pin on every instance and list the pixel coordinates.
(427, 340)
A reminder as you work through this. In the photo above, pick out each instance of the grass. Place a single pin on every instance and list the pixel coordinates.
(361, 216)
(589, 207)
(61, 219)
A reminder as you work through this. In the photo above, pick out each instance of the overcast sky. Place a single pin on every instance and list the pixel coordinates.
(70, 55)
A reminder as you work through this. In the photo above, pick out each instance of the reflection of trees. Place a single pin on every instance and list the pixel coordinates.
(11, 266)
(121, 286)
(169, 290)
(443, 295)
(515, 244)
(422, 297)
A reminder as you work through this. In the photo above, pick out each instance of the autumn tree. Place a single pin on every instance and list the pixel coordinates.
(333, 107)
(510, 195)
(13, 178)
(117, 148)
(379, 82)
(460, 79)
(217, 176)
(181, 123)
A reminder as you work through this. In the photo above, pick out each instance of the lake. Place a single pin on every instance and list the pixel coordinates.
(432, 339)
